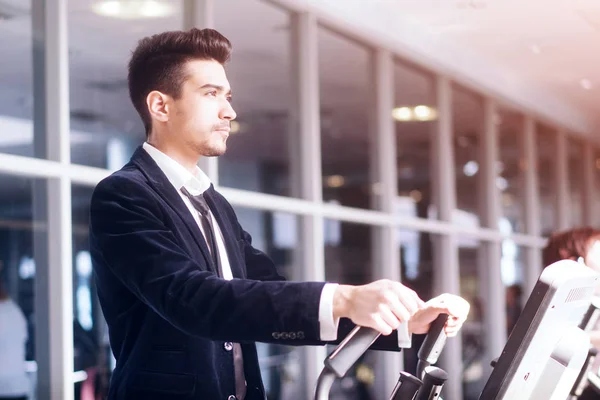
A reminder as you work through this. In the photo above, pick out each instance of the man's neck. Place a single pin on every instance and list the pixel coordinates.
(188, 161)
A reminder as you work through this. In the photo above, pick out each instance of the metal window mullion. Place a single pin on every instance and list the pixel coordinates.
(561, 175)
(200, 14)
(306, 87)
(444, 182)
(61, 286)
(383, 161)
(491, 211)
(384, 244)
(52, 203)
(588, 192)
(531, 183)
(533, 264)
(446, 267)
(489, 263)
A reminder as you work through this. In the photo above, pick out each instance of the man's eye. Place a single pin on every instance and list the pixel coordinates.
(212, 93)
(229, 98)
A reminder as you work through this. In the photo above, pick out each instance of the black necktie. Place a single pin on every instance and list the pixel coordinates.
(199, 203)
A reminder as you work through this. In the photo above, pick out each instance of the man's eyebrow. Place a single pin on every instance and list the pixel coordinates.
(216, 87)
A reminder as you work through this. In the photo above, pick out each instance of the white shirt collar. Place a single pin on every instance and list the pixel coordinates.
(177, 174)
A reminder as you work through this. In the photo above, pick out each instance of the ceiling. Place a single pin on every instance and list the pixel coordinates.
(552, 44)
(541, 53)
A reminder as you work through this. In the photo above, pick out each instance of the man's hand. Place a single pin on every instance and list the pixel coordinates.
(456, 307)
(381, 305)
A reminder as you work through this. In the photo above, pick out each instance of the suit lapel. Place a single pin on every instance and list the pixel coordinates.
(166, 190)
(229, 237)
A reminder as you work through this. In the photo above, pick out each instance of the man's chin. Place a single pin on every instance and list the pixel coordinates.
(214, 152)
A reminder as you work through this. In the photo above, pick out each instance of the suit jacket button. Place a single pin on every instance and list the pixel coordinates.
(232, 397)
(285, 336)
(300, 335)
(228, 346)
(276, 335)
(292, 335)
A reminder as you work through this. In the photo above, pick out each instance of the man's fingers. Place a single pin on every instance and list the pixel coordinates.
(457, 306)
(458, 310)
(452, 327)
(453, 324)
(397, 307)
(454, 306)
(413, 302)
(407, 297)
(380, 325)
(452, 331)
(389, 317)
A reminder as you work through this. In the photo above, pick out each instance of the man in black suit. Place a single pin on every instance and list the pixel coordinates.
(183, 291)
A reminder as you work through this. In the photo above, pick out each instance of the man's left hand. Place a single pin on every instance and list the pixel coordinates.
(456, 307)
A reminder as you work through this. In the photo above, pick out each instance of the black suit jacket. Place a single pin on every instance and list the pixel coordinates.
(170, 317)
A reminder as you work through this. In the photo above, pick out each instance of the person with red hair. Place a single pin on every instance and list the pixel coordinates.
(579, 244)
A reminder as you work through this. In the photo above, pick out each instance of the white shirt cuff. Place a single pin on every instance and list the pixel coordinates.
(404, 336)
(328, 326)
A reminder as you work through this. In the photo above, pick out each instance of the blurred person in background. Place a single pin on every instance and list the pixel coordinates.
(514, 295)
(14, 383)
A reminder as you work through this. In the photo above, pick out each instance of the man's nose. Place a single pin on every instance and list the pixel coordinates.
(227, 112)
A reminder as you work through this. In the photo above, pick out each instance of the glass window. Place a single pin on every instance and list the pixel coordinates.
(90, 333)
(345, 96)
(348, 260)
(576, 174)
(513, 265)
(416, 266)
(275, 233)
(467, 119)
(16, 80)
(474, 287)
(511, 166)
(105, 128)
(416, 261)
(414, 115)
(546, 161)
(471, 259)
(348, 252)
(258, 151)
(23, 231)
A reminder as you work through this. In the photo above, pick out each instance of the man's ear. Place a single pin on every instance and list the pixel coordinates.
(158, 105)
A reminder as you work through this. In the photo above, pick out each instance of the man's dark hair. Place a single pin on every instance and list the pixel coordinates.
(158, 63)
(570, 244)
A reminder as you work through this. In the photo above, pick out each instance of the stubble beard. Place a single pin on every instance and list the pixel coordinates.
(211, 149)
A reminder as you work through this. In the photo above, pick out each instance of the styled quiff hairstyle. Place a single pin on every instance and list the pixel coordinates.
(570, 244)
(158, 63)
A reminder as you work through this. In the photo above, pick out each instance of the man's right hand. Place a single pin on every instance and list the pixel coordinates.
(382, 305)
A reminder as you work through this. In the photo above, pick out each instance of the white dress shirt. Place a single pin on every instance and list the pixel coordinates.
(197, 183)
